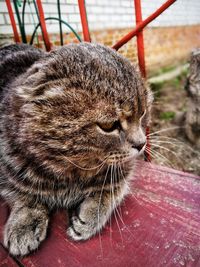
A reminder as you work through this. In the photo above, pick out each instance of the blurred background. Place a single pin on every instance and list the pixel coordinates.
(168, 43)
(168, 40)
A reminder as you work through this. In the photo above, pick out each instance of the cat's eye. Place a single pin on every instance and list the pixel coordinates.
(109, 126)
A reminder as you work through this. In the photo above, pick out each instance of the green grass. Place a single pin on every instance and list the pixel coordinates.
(166, 69)
(178, 83)
(156, 88)
(167, 115)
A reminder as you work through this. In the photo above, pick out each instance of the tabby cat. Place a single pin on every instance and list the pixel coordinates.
(71, 123)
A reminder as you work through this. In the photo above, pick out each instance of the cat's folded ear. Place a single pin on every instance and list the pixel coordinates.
(37, 85)
(30, 83)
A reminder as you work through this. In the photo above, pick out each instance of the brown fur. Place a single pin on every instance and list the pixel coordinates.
(72, 121)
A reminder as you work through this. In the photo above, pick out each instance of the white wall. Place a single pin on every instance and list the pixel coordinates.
(107, 14)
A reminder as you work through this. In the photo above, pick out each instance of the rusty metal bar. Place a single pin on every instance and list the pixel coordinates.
(84, 22)
(142, 24)
(43, 25)
(12, 20)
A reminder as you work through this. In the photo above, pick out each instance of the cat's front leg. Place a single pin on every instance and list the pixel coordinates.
(25, 228)
(93, 213)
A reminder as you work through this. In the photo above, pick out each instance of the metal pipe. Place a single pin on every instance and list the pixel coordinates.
(57, 19)
(23, 21)
(21, 27)
(140, 39)
(141, 61)
(43, 26)
(12, 20)
(84, 21)
(34, 23)
(60, 23)
(142, 24)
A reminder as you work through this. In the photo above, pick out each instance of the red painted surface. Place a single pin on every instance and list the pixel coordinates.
(160, 226)
(84, 22)
(143, 24)
(141, 61)
(140, 40)
(43, 26)
(12, 20)
(5, 259)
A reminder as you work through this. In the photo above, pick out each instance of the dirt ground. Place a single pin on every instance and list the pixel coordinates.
(170, 147)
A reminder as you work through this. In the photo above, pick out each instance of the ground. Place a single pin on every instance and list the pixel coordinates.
(170, 146)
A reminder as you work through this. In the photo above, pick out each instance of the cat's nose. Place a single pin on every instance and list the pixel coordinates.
(139, 147)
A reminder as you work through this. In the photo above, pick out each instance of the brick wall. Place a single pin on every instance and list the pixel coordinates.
(104, 14)
(164, 46)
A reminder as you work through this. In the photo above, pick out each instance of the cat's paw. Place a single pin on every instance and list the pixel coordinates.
(21, 239)
(24, 231)
(89, 218)
(80, 230)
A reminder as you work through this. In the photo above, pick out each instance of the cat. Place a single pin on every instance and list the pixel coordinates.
(72, 122)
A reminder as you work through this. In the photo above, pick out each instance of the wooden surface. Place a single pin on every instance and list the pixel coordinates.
(157, 225)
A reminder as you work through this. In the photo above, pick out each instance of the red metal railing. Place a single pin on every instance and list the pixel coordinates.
(140, 39)
(84, 22)
(141, 61)
(43, 26)
(12, 20)
(143, 24)
(138, 32)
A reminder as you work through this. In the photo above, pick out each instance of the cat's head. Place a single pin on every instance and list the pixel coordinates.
(85, 104)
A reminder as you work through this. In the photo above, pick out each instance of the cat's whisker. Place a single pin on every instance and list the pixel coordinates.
(165, 130)
(169, 140)
(162, 147)
(164, 136)
(100, 168)
(118, 207)
(158, 137)
(85, 169)
(174, 141)
(119, 210)
(114, 202)
(156, 154)
(126, 182)
(137, 200)
(159, 144)
(98, 211)
(171, 143)
(132, 194)
(118, 173)
(111, 173)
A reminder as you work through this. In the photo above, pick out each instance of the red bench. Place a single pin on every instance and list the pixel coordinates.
(158, 225)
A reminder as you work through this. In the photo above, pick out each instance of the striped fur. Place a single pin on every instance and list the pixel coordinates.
(53, 150)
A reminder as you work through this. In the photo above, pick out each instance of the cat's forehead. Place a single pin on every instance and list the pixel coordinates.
(93, 69)
(121, 106)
